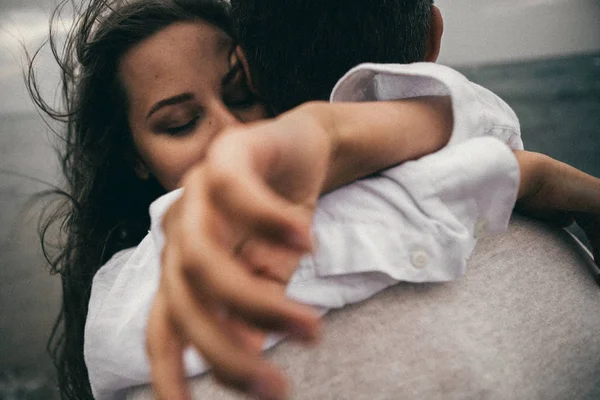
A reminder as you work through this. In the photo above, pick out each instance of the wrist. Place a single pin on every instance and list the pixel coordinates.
(320, 124)
(319, 118)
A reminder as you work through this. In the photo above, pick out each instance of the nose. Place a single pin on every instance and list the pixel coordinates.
(223, 118)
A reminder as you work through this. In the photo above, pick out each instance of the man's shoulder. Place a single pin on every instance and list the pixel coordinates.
(503, 331)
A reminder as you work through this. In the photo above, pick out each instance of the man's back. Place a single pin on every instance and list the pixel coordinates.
(522, 323)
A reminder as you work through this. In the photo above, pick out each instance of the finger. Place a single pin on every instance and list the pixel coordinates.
(262, 302)
(270, 259)
(247, 336)
(232, 364)
(243, 334)
(191, 213)
(164, 349)
(249, 201)
(222, 280)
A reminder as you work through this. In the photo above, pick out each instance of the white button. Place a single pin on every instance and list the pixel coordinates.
(481, 228)
(419, 259)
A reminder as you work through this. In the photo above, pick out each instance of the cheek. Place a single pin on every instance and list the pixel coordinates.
(170, 163)
(168, 158)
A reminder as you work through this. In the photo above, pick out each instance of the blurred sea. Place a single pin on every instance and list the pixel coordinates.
(27, 161)
(557, 102)
(29, 296)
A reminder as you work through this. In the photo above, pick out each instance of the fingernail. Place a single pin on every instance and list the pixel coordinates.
(262, 390)
(303, 331)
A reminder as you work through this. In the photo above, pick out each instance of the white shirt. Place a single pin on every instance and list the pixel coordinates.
(415, 222)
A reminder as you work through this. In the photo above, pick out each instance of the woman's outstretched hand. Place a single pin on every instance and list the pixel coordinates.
(233, 241)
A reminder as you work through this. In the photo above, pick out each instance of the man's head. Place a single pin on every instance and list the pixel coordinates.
(298, 49)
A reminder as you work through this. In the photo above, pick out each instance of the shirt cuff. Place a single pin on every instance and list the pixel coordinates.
(381, 82)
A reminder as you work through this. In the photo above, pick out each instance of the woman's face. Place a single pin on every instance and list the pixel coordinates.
(184, 85)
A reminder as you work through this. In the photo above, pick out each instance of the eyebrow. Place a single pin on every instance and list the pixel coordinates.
(180, 98)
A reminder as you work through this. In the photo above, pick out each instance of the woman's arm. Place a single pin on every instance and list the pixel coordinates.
(367, 137)
(553, 190)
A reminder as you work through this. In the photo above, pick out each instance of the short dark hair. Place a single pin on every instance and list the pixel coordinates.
(298, 49)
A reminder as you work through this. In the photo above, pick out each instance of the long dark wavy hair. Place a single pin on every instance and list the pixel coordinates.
(103, 207)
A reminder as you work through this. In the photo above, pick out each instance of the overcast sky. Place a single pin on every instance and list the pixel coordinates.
(477, 31)
(21, 22)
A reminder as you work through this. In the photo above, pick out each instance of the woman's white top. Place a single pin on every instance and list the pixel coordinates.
(416, 222)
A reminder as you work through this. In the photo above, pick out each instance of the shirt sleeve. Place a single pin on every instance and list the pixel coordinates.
(476, 110)
(418, 222)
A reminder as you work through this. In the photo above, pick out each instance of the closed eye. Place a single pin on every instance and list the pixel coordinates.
(182, 129)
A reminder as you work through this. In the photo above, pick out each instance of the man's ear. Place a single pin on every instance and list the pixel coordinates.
(141, 170)
(434, 37)
(239, 53)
